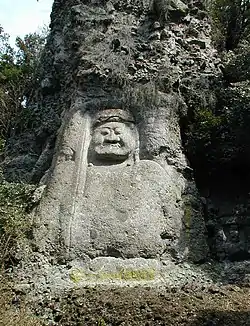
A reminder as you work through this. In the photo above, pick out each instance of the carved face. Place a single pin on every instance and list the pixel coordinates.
(114, 141)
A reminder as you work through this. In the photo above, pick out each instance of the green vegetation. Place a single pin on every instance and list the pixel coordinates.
(216, 133)
(205, 125)
(231, 22)
(19, 69)
(15, 226)
(101, 322)
(231, 35)
(124, 274)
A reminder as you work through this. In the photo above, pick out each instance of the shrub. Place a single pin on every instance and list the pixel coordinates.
(18, 75)
(231, 22)
(15, 226)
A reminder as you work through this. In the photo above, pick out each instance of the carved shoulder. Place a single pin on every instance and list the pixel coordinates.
(153, 171)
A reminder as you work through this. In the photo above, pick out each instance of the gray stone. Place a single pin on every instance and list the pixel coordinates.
(178, 5)
(156, 25)
(112, 199)
(155, 35)
(201, 43)
(37, 195)
(165, 34)
(116, 204)
(175, 9)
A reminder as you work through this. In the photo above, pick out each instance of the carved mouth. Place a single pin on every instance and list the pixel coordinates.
(116, 145)
(113, 145)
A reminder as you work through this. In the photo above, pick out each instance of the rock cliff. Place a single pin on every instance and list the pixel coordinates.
(155, 60)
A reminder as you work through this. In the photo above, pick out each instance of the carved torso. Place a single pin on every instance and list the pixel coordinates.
(121, 213)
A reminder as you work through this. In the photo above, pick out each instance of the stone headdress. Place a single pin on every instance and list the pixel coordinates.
(108, 115)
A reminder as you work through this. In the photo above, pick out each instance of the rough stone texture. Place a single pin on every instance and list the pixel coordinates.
(103, 55)
(107, 55)
(156, 61)
(98, 49)
(106, 207)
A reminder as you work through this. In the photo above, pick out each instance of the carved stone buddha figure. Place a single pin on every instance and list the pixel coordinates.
(123, 211)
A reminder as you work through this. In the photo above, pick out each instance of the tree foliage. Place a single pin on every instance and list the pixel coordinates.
(217, 136)
(231, 20)
(18, 75)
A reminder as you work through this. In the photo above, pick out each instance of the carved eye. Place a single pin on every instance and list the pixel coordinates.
(104, 132)
(118, 131)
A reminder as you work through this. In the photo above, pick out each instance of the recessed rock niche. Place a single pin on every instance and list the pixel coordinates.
(106, 208)
(121, 211)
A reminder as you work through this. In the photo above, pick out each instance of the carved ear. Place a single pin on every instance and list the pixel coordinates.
(136, 155)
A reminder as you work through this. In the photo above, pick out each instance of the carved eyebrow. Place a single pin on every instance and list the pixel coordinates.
(102, 127)
(109, 128)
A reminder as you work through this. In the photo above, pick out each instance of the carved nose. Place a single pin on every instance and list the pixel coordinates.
(112, 138)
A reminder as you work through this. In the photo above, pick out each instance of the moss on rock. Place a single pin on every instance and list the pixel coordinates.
(125, 274)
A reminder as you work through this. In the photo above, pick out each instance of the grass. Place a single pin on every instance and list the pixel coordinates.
(15, 225)
(13, 311)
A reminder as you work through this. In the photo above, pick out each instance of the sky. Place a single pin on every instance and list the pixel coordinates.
(20, 17)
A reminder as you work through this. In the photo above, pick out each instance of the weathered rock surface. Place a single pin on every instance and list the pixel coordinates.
(137, 212)
(107, 53)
